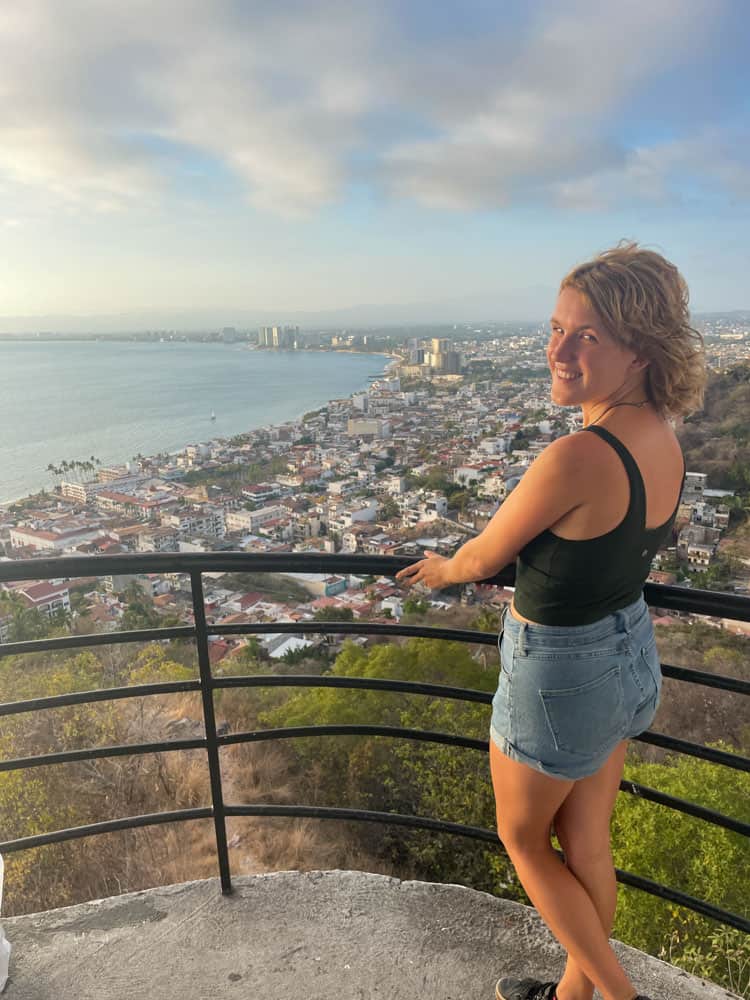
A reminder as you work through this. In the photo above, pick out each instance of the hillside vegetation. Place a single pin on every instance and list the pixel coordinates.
(366, 772)
(716, 440)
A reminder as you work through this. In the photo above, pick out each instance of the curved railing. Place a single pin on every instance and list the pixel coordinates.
(674, 598)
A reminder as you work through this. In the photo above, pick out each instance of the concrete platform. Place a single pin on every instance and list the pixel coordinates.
(333, 935)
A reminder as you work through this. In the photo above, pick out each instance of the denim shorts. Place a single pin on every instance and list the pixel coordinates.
(567, 695)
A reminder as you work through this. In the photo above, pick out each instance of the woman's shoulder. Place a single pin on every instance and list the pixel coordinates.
(640, 431)
(585, 450)
(575, 458)
(651, 444)
(643, 437)
(574, 446)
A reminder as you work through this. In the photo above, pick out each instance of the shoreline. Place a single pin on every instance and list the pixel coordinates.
(388, 367)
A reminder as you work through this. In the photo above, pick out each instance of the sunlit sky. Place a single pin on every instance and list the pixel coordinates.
(183, 161)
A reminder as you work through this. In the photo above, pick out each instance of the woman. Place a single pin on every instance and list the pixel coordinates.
(579, 670)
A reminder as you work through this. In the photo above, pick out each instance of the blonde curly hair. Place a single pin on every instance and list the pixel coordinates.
(642, 300)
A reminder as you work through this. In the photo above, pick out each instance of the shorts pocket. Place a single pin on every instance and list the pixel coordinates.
(649, 666)
(588, 718)
(644, 670)
(507, 654)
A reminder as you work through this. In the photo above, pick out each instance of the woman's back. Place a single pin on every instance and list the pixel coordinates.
(654, 447)
(595, 558)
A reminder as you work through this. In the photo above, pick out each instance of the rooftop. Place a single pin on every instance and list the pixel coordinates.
(299, 936)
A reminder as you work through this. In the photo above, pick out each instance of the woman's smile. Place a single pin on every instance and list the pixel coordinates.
(566, 376)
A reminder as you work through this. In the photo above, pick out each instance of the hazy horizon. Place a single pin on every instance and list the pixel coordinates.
(363, 318)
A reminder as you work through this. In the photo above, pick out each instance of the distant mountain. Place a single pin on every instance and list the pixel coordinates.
(737, 315)
(531, 304)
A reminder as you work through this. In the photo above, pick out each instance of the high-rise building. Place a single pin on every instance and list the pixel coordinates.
(286, 338)
(442, 357)
(291, 338)
(451, 363)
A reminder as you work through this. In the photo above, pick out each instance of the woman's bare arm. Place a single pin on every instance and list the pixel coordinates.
(554, 484)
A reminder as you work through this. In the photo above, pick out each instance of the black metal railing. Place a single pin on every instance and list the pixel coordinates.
(674, 598)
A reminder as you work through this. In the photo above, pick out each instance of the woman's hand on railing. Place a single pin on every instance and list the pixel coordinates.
(431, 571)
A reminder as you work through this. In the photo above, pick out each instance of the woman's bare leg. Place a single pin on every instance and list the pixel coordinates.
(527, 802)
(582, 827)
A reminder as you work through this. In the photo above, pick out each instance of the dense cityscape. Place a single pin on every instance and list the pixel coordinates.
(392, 470)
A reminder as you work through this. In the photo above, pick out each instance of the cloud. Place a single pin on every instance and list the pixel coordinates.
(102, 103)
(665, 173)
(277, 97)
(544, 126)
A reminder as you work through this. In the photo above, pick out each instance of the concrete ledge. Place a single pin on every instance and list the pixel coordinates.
(333, 935)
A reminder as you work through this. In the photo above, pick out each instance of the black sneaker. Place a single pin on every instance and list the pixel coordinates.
(524, 989)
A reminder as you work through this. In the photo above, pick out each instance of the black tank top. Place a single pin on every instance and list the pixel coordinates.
(562, 581)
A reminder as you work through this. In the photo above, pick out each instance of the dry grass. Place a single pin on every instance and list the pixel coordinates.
(110, 864)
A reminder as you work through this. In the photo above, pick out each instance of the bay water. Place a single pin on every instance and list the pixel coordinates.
(73, 399)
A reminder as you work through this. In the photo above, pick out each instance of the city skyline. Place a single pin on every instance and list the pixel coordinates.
(362, 163)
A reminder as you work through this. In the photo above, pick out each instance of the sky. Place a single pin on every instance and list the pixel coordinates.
(187, 163)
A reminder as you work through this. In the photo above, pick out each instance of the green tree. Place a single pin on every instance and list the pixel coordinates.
(140, 612)
(488, 620)
(334, 615)
(685, 853)
(26, 623)
(737, 510)
(47, 798)
(460, 500)
(717, 576)
(388, 509)
(404, 775)
(415, 606)
(153, 665)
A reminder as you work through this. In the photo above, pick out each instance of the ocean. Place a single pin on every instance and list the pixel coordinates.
(71, 400)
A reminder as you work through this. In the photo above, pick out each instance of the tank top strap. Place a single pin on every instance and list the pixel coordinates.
(637, 505)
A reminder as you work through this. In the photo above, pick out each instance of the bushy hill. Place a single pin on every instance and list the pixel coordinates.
(716, 440)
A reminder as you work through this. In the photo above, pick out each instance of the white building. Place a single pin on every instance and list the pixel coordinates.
(468, 474)
(359, 427)
(493, 486)
(157, 540)
(46, 597)
(202, 520)
(695, 483)
(52, 539)
(197, 453)
(493, 446)
(251, 520)
(395, 485)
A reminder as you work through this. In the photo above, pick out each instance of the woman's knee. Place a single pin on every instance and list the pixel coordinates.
(584, 847)
(521, 834)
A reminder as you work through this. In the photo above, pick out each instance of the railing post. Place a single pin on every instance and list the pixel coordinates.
(209, 719)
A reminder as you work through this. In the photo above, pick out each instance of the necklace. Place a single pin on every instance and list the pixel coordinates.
(639, 405)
